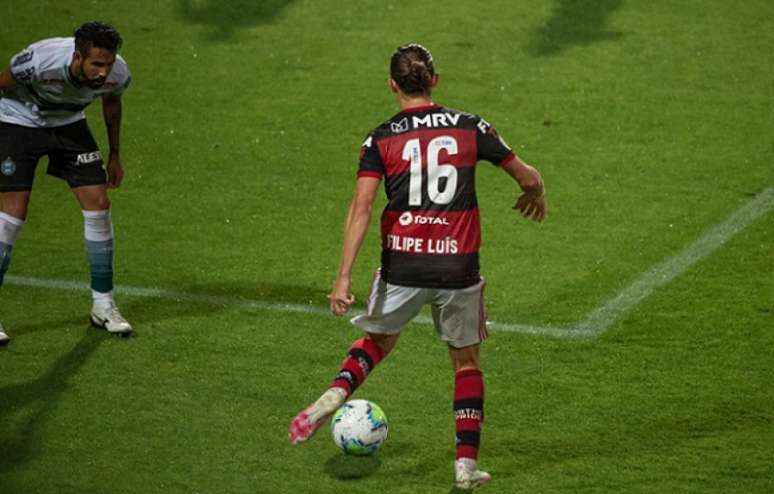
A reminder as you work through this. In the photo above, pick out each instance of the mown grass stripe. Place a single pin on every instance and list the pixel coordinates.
(594, 324)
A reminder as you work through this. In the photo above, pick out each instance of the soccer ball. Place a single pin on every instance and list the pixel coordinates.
(359, 427)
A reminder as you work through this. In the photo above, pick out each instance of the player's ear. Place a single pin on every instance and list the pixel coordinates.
(393, 85)
(77, 59)
(434, 80)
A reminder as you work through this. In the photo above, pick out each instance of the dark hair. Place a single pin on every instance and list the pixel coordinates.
(411, 67)
(96, 34)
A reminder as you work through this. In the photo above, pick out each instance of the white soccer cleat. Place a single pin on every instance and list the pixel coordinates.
(4, 339)
(306, 423)
(106, 316)
(467, 475)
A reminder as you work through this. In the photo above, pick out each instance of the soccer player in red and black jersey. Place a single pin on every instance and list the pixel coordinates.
(426, 155)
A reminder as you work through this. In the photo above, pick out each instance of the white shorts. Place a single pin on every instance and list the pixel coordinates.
(459, 315)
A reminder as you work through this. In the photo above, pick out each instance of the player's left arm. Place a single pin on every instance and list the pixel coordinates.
(111, 112)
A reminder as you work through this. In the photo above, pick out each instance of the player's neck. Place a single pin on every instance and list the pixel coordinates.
(407, 103)
(73, 73)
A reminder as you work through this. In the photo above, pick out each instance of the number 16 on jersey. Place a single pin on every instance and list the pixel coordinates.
(435, 171)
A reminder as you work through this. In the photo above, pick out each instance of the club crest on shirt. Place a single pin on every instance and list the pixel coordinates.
(8, 167)
(26, 75)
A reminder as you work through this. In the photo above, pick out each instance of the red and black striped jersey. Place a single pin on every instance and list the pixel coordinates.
(430, 227)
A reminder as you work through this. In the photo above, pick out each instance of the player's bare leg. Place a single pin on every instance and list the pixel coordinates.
(362, 357)
(15, 203)
(13, 212)
(98, 230)
(469, 416)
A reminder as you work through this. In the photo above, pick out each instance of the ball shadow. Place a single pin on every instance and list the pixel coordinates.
(344, 467)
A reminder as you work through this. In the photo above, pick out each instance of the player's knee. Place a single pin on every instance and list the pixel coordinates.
(92, 197)
(19, 212)
(102, 203)
(15, 208)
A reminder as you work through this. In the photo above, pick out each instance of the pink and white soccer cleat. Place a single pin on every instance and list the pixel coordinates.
(306, 423)
(301, 429)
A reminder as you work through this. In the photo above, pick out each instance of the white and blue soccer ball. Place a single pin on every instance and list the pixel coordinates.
(359, 427)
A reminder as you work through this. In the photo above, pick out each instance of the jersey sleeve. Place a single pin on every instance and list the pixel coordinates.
(23, 66)
(119, 90)
(124, 76)
(491, 147)
(371, 164)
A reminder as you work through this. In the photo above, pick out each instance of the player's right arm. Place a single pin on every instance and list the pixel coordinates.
(531, 203)
(7, 80)
(355, 229)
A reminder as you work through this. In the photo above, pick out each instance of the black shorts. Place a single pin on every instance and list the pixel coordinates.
(72, 152)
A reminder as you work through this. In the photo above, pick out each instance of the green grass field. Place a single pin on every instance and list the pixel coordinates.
(651, 122)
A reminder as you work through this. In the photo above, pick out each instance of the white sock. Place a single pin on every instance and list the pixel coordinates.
(10, 226)
(9, 229)
(102, 298)
(98, 230)
(98, 226)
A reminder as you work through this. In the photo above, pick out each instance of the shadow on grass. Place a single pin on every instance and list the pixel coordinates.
(345, 467)
(666, 434)
(140, 311)
(41, 324)
(195, 299)
(33, 400)
(457, 490)
(574, 23)
(247, 291)
(226, 18)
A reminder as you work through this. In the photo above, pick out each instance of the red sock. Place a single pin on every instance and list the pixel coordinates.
(362, 357)
(468, 411)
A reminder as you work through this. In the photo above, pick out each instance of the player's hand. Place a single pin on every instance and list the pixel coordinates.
(340, 297)
(531, 205)
(115, 171)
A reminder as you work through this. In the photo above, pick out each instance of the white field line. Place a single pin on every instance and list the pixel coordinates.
(222, 300)
(601, 318)
(594, 324)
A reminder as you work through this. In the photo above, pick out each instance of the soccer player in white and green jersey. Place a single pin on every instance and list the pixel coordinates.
(43, 94)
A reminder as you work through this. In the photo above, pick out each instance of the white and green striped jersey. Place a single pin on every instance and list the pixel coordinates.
(45, 94)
